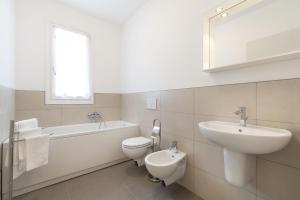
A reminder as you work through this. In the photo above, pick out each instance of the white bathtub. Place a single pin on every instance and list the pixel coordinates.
(76, 150)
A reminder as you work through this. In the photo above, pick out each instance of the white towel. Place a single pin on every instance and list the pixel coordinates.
(26, 124)
(19, 166)
(25, 157)
(22, 144)
(36, 151)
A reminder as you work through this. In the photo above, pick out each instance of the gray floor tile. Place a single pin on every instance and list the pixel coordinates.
(54, 192)
(120, 182)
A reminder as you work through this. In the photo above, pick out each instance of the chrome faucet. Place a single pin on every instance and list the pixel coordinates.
(243, 114)
(96, 117)
(174, 147)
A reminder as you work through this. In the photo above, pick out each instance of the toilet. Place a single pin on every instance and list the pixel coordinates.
(137, 148)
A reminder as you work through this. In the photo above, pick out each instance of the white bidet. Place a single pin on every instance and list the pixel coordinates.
(167, 165)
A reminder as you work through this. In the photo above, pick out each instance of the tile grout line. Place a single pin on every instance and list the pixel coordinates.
(278, 163)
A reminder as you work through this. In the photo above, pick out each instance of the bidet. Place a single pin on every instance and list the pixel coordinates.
(167, 165)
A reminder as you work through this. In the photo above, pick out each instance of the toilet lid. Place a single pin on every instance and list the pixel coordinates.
(136, 142)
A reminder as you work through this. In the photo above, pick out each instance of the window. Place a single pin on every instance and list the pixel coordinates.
(70, 70)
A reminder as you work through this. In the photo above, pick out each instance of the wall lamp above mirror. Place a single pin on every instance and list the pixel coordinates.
(242, 33)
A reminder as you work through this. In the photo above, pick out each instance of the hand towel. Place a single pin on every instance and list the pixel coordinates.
(18, 166)
(26, 124)
(20, 154)
(36, 151)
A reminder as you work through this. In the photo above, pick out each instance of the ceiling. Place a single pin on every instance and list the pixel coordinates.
(115, 10)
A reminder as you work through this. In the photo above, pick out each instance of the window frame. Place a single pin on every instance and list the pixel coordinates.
(49, 98)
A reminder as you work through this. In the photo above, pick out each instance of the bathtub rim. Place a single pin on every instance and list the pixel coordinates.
(84, 133)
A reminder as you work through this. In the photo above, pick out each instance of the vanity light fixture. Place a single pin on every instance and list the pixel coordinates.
(220, 9)
(224, 14)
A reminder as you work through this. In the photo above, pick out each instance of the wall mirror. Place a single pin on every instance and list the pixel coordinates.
(242, 33)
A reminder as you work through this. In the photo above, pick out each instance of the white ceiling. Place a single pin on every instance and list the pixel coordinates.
(115, 10)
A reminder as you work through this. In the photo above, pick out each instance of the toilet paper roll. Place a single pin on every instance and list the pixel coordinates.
(155, 130)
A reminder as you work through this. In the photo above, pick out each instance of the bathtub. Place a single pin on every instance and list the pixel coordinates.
(76, 150)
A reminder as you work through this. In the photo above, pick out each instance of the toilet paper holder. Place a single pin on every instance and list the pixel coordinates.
(156, 133)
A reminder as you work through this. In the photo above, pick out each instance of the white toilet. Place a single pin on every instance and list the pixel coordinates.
(137, 148)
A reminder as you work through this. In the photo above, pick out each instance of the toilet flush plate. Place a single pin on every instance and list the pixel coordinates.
(151, 103)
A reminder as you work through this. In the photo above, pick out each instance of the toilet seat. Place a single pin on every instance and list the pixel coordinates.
(137, 142)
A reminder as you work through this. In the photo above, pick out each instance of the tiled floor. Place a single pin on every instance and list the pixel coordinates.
(121, 182)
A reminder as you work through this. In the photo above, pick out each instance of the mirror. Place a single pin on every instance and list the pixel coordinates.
(242, 33)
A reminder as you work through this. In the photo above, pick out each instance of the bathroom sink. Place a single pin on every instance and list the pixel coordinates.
(241, 144)
(250, 139)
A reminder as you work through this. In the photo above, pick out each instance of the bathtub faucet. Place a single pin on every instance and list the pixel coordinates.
(96, 118)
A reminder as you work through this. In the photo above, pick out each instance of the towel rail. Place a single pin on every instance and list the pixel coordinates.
(11, 146)
(11, 158)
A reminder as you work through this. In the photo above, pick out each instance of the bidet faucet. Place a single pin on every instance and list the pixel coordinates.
(243, 114)
(174, 147)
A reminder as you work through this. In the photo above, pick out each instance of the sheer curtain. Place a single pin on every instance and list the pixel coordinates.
(71, 65)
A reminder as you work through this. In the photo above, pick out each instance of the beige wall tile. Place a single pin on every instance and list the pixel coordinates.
(134, 109)
(277, 182)
(184, 145)
(146, 131)
(110, 114)
(209, 158)
(32, 104)
(279, 101)
(187, 146)
(79, 115)
(107, 100)
(75, 115)
(181, 100)
(225, 100)
(213, 188)
(131, 104)
(290, 154)
(45, 117)
(180, 124)
(146, 117)
(74, 106)
(32, 100)
(188, 181)
(166, 139)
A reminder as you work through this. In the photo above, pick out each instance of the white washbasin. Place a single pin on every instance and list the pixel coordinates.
(241, 144)
(250, 139)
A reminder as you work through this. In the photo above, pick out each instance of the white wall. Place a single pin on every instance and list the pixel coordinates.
(7, 43)
(32, 19)
(162, 49)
